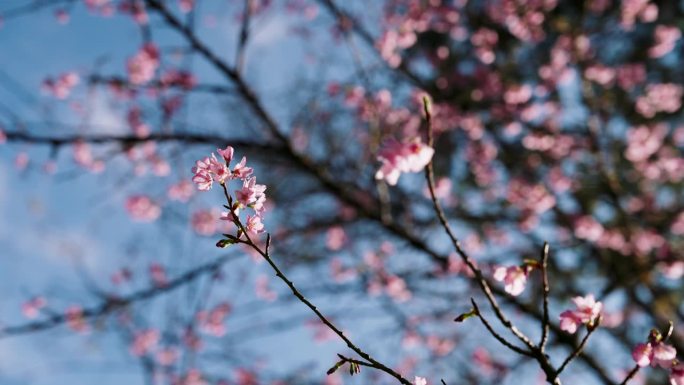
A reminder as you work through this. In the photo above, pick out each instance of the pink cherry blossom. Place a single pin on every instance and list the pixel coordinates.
(254, 225)
(212, 321)
(398, 157)
(241, 171)
(211, 169)
(186, 5)
(336, 237)
(144, 341)
(31, 308)
(203, 180)
(142, 66)
(61, 87)
(677, 375)
(227, 154)
(75, 319)
(204, 222)
(513, 277)
(142, 208)
(666, 97)
(665, 39)
(181, 191)
(588, 228)
(420, 381)
(587, 312)
(251, 194)
(158, 275)
(654, 354)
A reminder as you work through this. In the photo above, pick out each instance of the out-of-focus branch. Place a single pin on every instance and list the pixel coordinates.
(189, 138)
(156, 84)
(112, 304)
(244, 36)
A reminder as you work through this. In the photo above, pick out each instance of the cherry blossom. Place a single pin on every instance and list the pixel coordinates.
(61, 87)
(514, 278)
(665, 39)
(75, 320)
(420, 381)
(254, 225)
(401, 157)
(677, 375)
(143, 65)
(655, 353)
(251, 194)
(587, 312)
(144, 341)
(31, 308)
(204, 222)
(142, 208)
(211, 169)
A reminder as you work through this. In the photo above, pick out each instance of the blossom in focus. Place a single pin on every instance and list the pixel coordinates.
(398, 157)
(654, 353)
(587, 312)
(254, 225)
(251, 194)
(211, 169)
(513, 277)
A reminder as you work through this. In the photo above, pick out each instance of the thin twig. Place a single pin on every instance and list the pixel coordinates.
(244, 36)
(479, 277)
(630, 375)
(376, 364)
(578, 350)
(496, 335)
(545, 294)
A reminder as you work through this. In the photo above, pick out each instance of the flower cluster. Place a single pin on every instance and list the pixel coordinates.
(211, 169)
(398, 157)
(250, 195)
(588, 312)
(657, 353)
